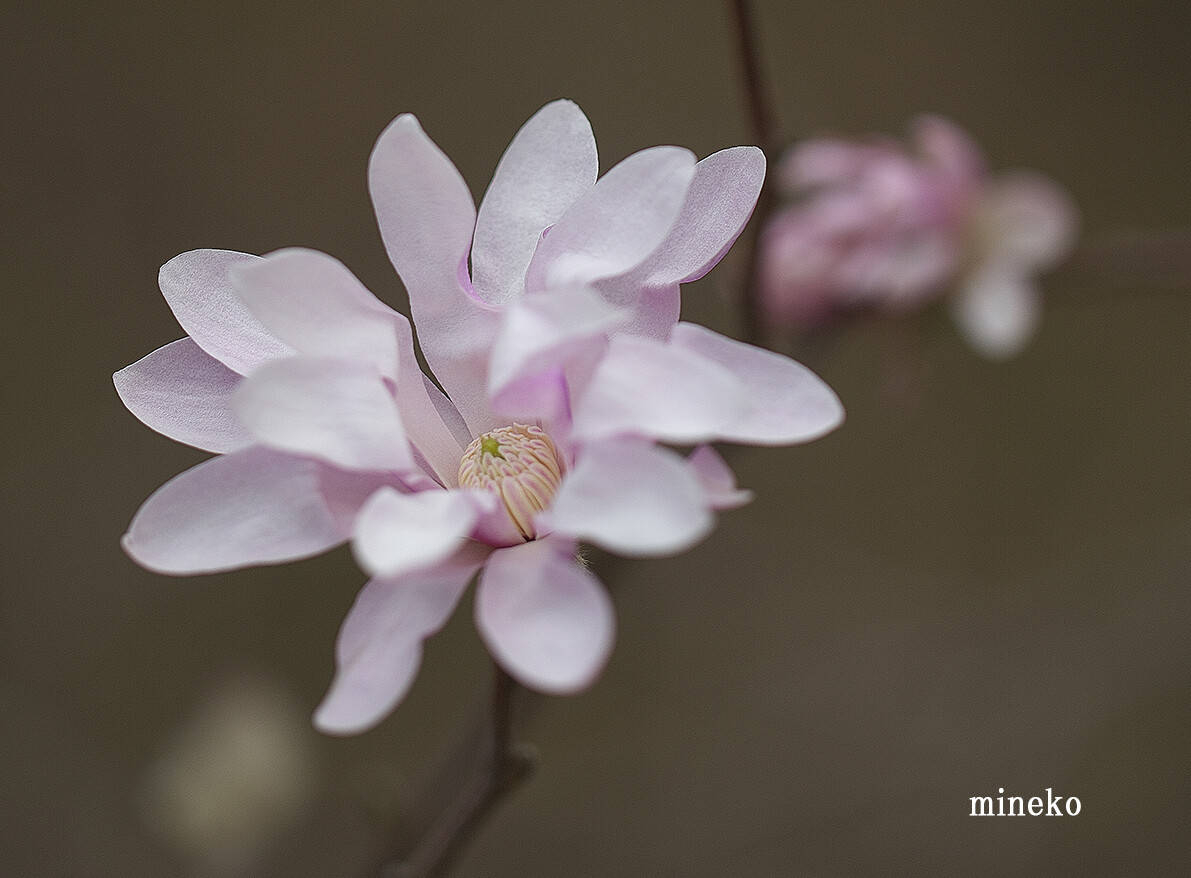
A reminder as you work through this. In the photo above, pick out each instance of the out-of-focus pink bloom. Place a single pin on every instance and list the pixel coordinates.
(564, 366)
(875, 225)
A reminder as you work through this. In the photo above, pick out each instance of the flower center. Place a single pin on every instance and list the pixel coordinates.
(520, 464)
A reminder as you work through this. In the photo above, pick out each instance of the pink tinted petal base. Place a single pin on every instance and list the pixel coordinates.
(379, 649)
(182, 392)
(251, 507)
(337, 410)
(788, 402)
(548, 621)
(548, 166)
(198, 289)
(632, 498)
(427, 217)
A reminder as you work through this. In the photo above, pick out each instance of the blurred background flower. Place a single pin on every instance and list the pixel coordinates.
(875, 225)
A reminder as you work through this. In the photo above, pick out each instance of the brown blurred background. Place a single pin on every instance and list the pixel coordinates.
(983, 580)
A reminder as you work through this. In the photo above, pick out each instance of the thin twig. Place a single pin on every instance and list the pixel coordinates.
(763, 133)
(484, 769)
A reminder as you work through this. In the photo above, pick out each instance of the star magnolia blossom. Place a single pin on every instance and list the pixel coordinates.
(879, 226)
(563, 364)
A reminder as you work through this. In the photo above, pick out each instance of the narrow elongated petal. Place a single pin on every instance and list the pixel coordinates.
(548, 621)
(426, 219)
(997, 309)
(398, 533)
(336, 410)
(719, 202)
(254, 506)
(379, 649)
(182, 392)
(313, 303)
(631, 498)
(787, 401)
(647, 388)
(199, 292)
(548, 166)
(717, 479)
(617, 224)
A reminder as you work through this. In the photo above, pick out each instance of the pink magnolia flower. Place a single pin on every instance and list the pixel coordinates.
(878, 226)
(562, 365)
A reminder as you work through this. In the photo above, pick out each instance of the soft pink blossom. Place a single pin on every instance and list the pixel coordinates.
(876, 225)
(550, 321)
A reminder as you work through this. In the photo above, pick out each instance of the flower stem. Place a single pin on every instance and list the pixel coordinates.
(763, 134)
(473, 781)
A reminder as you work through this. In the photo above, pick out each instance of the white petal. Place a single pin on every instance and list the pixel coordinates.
(337, 410)
(426, 219)
(1025, 221)
(313, 303)
(251, 507)
(548, 166)
(397, 533)
(617, 224)
(787, 401)
(647, 388)
(182, 392)
(997, 310)
(199, 292)
(379, 648)
(548, 621)
(631, 498)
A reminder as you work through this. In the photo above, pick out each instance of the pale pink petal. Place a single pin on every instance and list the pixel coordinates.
(617, 224)
(787, 401)
(647, 388)
(182, 392)
(631, 498)
(336, 410)
(950, 148)
(717, 479)
(397, 533)
(250, 507)
(548, 166)
(426, 219)
(997, 309)
(1025, 221)
(547, 620)
(379, 649)
(199, 292)
(544, 397)
(543, 331)
(313, 303)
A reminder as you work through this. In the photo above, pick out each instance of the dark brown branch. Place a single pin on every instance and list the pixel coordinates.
(486, 767)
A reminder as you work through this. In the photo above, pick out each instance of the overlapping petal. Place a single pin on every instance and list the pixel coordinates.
(254, 506)
(199, 291)
(617, 223)
(787, 401)
(717, 479)
(336, 410)
(548, 621)
(548, 166)
(313, 303)
(633, 498)
(379, 649)
(398, 533)
(182, 392)
(427, 217)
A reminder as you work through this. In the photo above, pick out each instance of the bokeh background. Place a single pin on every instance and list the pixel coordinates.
(981, 581)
